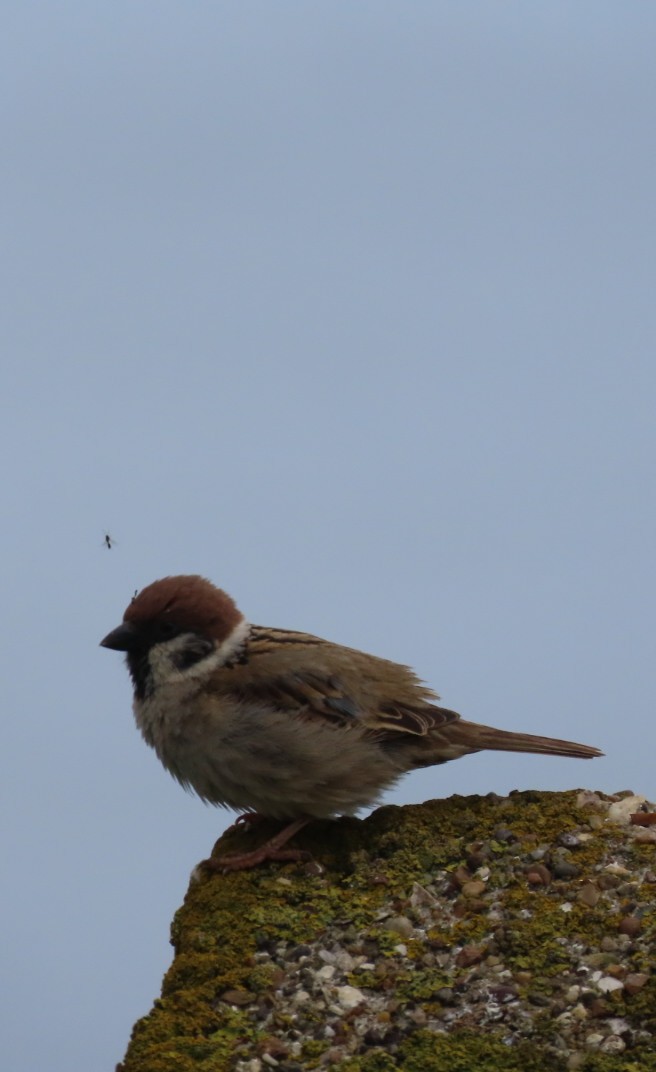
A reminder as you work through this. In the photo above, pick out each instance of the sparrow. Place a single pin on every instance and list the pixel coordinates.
(282, 724)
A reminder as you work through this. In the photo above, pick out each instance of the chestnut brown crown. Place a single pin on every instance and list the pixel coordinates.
(186, 602)
(191, 600)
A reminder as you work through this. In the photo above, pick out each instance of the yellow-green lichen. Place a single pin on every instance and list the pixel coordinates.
(466, 1052)
(229, 924)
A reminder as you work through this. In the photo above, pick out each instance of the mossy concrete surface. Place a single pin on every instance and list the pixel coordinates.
(475, 933)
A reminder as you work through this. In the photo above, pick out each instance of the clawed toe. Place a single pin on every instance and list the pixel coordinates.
(244, 861)
(271, 850)
(245, 821)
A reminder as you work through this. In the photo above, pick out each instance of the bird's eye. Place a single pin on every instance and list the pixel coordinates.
(166, 629)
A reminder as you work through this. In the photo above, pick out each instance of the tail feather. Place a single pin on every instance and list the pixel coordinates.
(485, 737)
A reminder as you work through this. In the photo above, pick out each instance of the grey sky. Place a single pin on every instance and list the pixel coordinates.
(349, 307)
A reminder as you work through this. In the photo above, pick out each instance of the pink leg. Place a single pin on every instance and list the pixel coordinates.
(271, 850)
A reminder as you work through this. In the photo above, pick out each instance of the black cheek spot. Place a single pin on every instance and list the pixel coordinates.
(197, 649)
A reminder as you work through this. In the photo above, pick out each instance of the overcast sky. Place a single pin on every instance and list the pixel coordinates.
(349, 307)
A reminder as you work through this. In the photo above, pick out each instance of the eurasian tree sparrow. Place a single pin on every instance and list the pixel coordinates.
(280, 723)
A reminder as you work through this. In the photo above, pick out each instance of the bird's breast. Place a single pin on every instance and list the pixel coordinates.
(250, 756)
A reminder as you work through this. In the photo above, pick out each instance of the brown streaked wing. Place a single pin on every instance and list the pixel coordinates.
(311, 692)
(418, 719)
(304, 693)
(264, 640)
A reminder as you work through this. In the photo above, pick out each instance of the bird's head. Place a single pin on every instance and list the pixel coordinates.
(178, 627)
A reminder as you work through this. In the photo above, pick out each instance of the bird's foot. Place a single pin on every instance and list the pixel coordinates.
(271, 850)
(244, 861)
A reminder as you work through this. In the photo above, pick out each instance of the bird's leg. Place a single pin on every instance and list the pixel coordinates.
(271, 850)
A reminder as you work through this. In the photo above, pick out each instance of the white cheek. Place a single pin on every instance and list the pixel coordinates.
(163, 658)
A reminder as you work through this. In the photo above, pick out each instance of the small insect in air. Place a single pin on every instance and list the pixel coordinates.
(108, 541)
